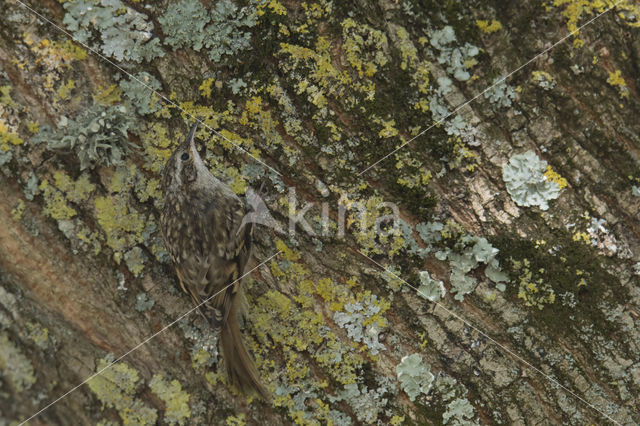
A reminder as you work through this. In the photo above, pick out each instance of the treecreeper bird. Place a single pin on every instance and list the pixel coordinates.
(210, 246)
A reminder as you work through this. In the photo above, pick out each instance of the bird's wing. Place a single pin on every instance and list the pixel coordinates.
(219, 259)
(228, 258)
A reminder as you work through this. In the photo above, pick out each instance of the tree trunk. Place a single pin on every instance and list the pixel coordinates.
(425, 170)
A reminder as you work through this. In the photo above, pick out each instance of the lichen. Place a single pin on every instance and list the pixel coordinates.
(458, 60)
(15, 366)
(544, 80)
(16, 212)
(135, 260)
(574, 10)
(524, 176)
(616, 80)
(56, 205)
(363, 322)
(98, 136)
(500, 94)
(532, 288)
(75, 191)
(459, 411)
(139, 89)
(415, 376)
(368, 404)
(144, 302)
(38, 334)
(116, 387)
(123, 32)
(488, 27)
(176, 400)
(221, 30)
(123, 226)
(430, 289)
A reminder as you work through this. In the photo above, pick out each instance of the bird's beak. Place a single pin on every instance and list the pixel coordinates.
(190, 141)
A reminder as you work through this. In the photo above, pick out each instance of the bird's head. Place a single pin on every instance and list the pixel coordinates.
(185, 165)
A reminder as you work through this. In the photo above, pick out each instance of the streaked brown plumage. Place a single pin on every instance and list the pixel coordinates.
(202, 228)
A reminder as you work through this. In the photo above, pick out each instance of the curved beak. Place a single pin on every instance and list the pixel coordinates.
(189, 142)
(192, 133)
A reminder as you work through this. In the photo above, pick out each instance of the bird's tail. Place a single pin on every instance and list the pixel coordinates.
(240, 367)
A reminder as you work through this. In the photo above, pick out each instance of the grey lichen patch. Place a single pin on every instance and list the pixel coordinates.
(144, 302)
(135, 260)
(121, 32)
(430, 289)
(467, 254)
(221, 30)
(459, 411)
(524, 176)
(139, 89)
(415, 376)
(15, 366)
(458, 60)
(98, 136)
(356, 319)
(10, 305)
(500, 94)
(367, 403)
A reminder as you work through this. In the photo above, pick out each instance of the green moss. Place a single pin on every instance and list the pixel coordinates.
(176, 400)
(15, 366)
(116, 387)
(572, 267)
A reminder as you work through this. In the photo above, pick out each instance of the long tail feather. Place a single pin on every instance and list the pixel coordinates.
(240, 367)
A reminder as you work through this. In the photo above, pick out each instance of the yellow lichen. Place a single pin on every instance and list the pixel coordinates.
(8, 137)
(616, 80)
(273, 5)
(176, 400)
(65, 89)
(122, 225)
(16, 212)
(205, 88)
(489, 27)
(75, 191)
(107, 95)
(116, 386)
(55, 203)
(532, 289)
(554, 176)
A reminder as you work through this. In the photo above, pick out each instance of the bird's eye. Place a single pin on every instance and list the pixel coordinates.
(184, 157)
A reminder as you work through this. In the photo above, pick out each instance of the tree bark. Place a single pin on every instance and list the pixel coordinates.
(319, 92)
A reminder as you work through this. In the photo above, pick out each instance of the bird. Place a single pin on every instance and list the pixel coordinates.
(210, 245)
